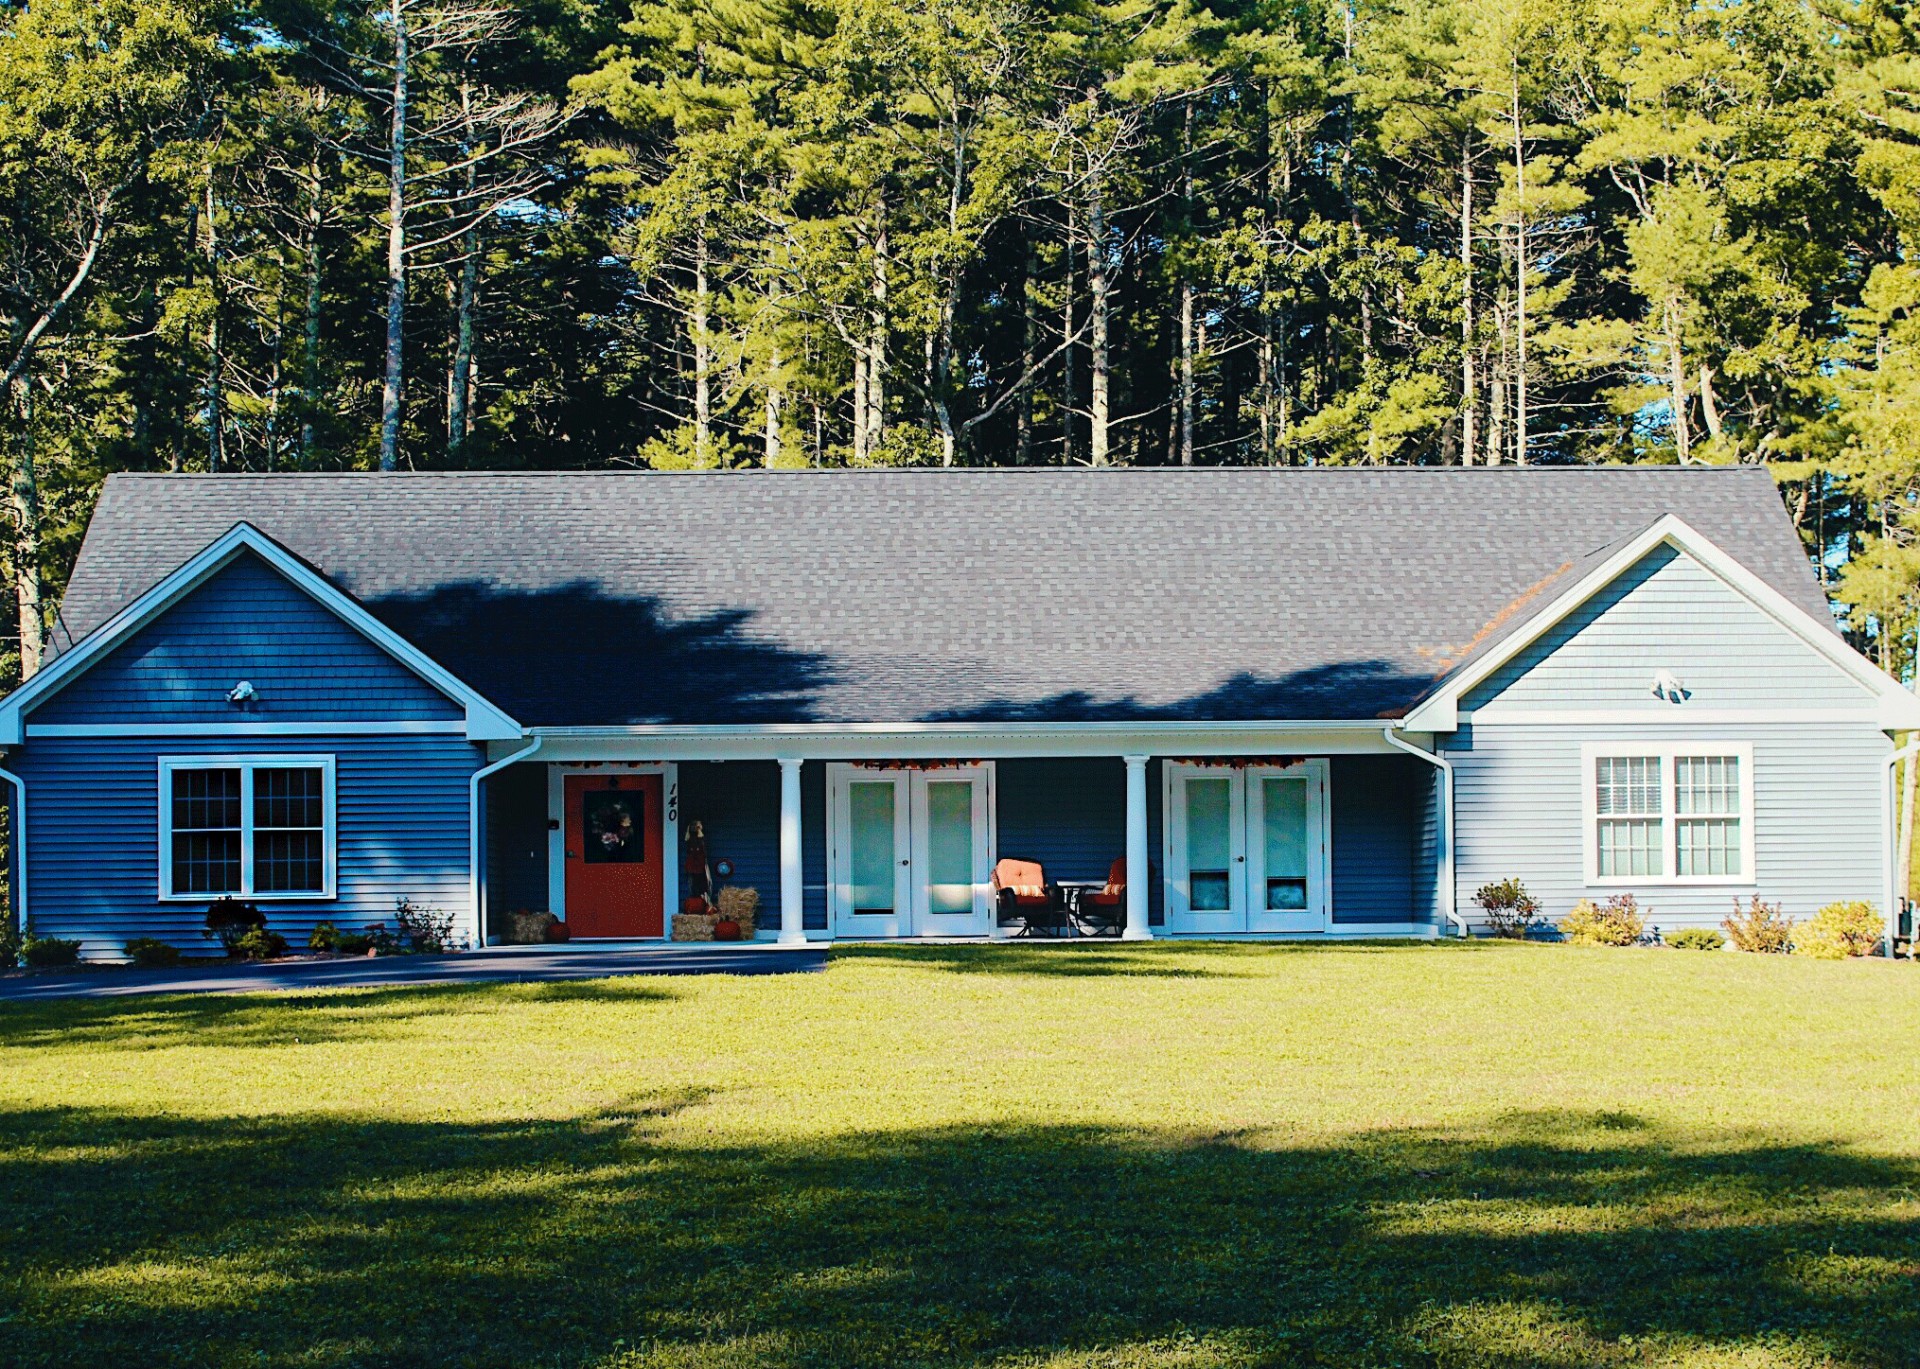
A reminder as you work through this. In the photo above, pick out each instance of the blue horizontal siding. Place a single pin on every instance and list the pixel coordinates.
(247, 622)
(737, 804)
(1380, 820)
(1668, 613)
(93, 835)
(516, 843)
(1520, 792)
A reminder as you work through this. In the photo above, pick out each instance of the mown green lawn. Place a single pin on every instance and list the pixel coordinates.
(1190, 1156)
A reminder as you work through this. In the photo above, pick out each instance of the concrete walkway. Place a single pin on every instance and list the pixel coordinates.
(504, 964)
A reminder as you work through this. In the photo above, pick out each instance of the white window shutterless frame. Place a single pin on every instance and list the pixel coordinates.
(1247, 850)
(261, 815)
(909, 852)
(1665, 813)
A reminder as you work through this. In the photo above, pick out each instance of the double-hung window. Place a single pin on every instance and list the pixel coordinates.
(1669, 814)
(256, 827)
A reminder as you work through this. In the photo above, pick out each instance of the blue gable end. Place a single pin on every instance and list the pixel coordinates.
(246, 623)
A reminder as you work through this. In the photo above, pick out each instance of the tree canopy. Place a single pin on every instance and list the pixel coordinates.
(338, 234)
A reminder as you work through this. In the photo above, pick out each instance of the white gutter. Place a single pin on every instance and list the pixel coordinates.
(476, 858)
(19, 843)
(1890, 858)
(1445, 876)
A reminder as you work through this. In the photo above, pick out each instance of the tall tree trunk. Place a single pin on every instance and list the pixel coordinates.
(859, 403)
(1186, 283)
(1068, 392)
(460, 374)
(1029, 337)
(702, 356)
(877, 335)
(1468, 398)
(1100, 376)
(770, 449)
(1519, 280)
(1709, 407)
(310, 340)
(1677, 386)
(396, 249)
(26, 535)
(210, 386)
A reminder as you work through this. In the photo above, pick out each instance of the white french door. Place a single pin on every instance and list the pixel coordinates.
(910, 851)
(1247, 849)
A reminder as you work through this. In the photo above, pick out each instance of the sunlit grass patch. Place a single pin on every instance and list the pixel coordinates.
(1172, 1155)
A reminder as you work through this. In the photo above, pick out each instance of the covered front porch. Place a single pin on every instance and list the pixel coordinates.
(887, 833)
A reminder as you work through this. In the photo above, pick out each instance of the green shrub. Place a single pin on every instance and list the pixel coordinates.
(1696, 939)
(1839, 930)
(229, 920)
(1760, 928)
(1510, 909)
(352, 943)
(1617, 922)
(422, 928)
(325, 937)
(45, 952)
(9, 944)
(151, 953)
(259, 944)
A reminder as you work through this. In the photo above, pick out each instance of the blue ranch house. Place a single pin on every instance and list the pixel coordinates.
(1218, 703)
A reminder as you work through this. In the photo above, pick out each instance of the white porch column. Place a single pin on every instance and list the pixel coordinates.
(1139, 870)
(793, 888)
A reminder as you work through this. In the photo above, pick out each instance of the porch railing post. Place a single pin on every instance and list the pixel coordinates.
(793, 889)
(1139, 871)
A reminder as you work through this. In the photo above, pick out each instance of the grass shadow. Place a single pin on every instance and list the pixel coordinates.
(1551, 1238)
(1077, 956)
(277, 1018)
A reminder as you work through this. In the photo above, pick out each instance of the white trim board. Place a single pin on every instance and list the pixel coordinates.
(1897, 707)
(960, 741)
(439, 726)
(484, 722)
(247, 764)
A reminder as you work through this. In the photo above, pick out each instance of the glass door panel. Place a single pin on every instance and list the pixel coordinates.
(1210, 844)
(1285, 844)
(950, 847)
(872, 853)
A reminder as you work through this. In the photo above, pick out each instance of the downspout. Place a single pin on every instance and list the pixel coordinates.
(19, 845)
(1889, 858)
(476, 863)
(1445, 875)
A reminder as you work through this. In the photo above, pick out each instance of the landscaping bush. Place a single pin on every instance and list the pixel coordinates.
(152, 954)
(353, 943)
(46, 952)
(1509, 908)
(1760, 928)
(325, 937)
(258, 944)
(1617, 922)
(1850, 928)
(9, 944)
(228, 920)
(422, 929)
(1696, 939)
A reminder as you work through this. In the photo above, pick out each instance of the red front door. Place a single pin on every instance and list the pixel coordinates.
(615, 865)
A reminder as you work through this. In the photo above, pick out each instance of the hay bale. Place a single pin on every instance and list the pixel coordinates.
(694, 926)
(742, 905)
(526, 928)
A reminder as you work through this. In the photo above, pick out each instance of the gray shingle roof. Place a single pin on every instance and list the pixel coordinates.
(629, 597)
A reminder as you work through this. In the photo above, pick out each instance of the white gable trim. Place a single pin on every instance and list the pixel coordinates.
(484, 722)
(1897, 707)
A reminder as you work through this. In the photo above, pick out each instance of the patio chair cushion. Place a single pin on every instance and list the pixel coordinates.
(1113, 892)
(1025, 880)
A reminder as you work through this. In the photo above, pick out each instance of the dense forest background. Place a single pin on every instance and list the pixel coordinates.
(322, 234)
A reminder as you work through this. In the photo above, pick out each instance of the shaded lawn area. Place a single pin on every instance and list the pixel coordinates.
(1487, 1155)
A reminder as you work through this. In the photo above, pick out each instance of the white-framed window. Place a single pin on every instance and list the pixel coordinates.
(255, 827)
(1668, 812)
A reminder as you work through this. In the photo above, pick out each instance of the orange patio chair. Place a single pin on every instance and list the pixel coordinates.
(1022, 895)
